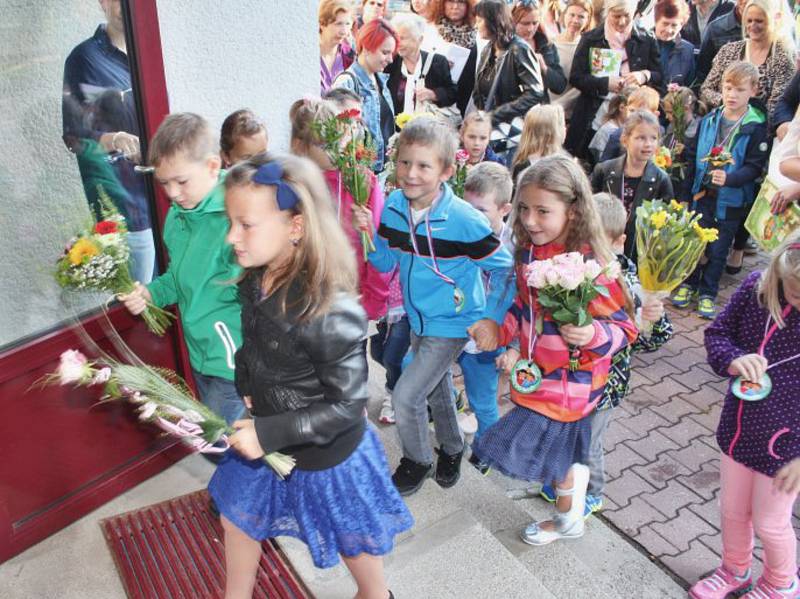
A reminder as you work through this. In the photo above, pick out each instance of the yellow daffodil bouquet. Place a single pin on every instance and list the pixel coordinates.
(669, 243)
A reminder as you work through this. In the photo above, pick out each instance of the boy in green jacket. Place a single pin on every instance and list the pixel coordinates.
(202, 266)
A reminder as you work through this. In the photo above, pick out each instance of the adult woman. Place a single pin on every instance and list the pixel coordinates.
(455, 22)
(638, 64)
(416, 77)
(677, 55)
(376, 45)
(335, 53)
(764, 46)
(577, 20)
(509, 81)
(527, 17)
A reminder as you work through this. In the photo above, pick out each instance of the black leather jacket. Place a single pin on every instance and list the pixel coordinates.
(520, 85)
(307, 381)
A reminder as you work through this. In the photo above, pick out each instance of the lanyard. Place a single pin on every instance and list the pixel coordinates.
(724, 143)
(768, 332)
(532, 333)
(412, 230)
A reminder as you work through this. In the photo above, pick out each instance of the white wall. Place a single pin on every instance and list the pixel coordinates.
(257, 54)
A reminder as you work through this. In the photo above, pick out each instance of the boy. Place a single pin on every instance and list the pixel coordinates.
(642, 98)
(487, 189)
(723, 195)
(614, 219)
(443, 293)
(202, 266)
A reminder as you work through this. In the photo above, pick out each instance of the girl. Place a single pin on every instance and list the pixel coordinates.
(474, 136)
(684, 97)
(542, 135)
(633, 177)
(243, 135)
(758, 334)
(372, 285)
(303, 371)
(546, 436)
(615, 117)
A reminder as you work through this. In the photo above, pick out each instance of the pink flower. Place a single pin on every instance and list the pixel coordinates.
(570, 277)
(101, 376)
(535, 275)
(613, 270)
(73, 368)
(461, 157)
(592, 270)
(552, 277)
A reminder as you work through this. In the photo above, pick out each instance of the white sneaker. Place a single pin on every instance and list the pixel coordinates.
(467, 423)
(387, 411)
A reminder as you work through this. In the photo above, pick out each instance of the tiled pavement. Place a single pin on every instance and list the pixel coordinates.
(661, 453)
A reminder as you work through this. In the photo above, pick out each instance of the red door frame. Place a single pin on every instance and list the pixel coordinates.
(40, 497)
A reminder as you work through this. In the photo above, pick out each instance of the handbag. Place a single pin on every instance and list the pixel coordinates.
(448, 114)
(504, 137)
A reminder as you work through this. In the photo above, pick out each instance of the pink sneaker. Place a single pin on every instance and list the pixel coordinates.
(764, 590)
(720, 584)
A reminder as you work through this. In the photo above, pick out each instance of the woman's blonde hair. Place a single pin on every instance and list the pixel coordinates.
(784, 264)
(323, 263)
(476, 116)
(779, 29)
(636, 119)
(543, 132)
(330, 9)
(585, 5)
(304, 113)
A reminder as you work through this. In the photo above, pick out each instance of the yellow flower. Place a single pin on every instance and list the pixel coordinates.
(705, 235)
(676, 205)
(83, 248)
(658, 219)
(402, 119)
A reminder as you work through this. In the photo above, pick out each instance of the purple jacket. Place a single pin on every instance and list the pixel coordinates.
(762, 435)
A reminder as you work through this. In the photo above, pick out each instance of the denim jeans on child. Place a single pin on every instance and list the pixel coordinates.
(143, 255)
(388, 347)
(220, 395)
(426, 381)
(480, 383)
(597, 462)
(705, 278)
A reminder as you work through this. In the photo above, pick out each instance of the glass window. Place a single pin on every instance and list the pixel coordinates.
(71, 128)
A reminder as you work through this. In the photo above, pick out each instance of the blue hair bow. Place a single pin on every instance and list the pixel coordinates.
(271, 173)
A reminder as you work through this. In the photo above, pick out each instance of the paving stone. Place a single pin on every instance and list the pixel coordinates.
(708, 510)
(696, 378)
(708, 418)
(656, 545)
(688, 358)
(617, 432)
(635, 515)
(705, 482)
(672, 498)
(713, 542)
(658, 473)
(684, 431)
(639, 399)
(695, 455)
(665, 389)
(621, 457)
(645, 421)
(627, 485)
(703, 398)
(693, 564)
(651, 445)
(675, 409)
(681, 531)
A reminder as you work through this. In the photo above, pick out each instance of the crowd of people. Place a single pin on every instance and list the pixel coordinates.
(553, 111)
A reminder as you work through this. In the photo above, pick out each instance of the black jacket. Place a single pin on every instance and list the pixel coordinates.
(520, 86)
(691, 31)
(654, 185)
(725, 29)
(554, 79)
(438, 79)
(307, 381)
(787, 105)
(643, 54)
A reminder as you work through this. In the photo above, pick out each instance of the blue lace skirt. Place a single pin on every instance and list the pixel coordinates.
(529, 446)
(349, 509)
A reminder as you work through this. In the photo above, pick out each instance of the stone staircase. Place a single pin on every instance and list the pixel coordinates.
(465, 544)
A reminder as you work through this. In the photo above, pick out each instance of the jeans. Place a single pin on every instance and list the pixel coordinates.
(480, 383)
(426, 381)
(388, 347)
(748, 503)
(143, 255)
(597, 461)
(705, 278)
(219, 395)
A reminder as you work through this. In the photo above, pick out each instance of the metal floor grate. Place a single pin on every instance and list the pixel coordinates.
(175, 549)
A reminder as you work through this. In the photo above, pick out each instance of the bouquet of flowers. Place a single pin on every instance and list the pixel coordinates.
(351, 149)
(717, 158)
(97, 259)
(565, 285)
(161, 397)
(390, 167)
(676, 99)
(460, 175)
(669, 243)
(663, 158)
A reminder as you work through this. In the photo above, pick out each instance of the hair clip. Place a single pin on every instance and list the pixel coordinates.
(271, 173)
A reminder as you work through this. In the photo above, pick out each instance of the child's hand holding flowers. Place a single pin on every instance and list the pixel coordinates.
(575, 335)
(137, 300)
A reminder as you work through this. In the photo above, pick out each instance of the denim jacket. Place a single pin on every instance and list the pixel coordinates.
(355, 78)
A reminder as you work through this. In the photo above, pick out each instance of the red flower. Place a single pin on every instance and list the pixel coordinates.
(717, 150)
(353, 113)
(104, 227)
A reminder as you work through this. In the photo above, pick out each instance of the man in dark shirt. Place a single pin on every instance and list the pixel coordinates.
(101, 128)
(727, 28)
(701, 14)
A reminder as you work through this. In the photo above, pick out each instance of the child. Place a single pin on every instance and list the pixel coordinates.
(641, 98)
(617, 111)
(474, 135)
(343, 98)
(546, 436)
(758, 333)
(542, 135)
(723, 196)
(372, 285)
(303, 372)
(613, 219)
(243, 135)
(443, 293)
(187, 165)
(685, 97)
(633, 177)
(488, 190)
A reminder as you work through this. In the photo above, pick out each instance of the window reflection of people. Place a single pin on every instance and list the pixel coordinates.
(101, 128)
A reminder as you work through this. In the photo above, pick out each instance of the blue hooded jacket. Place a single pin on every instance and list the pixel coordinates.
(463, 245)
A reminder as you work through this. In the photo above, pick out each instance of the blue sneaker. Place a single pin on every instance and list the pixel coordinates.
(594, 503)
(548, 493)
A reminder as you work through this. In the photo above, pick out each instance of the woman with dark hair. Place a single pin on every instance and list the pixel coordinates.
(677, 55)
(616, 54)
(455, 23)
(509, 81)
(527, 17)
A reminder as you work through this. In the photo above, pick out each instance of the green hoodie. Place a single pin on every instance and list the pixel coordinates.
(200, 279)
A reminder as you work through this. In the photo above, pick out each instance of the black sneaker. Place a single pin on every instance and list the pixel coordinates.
(482, 467)
(409, 476)
(448, 468)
